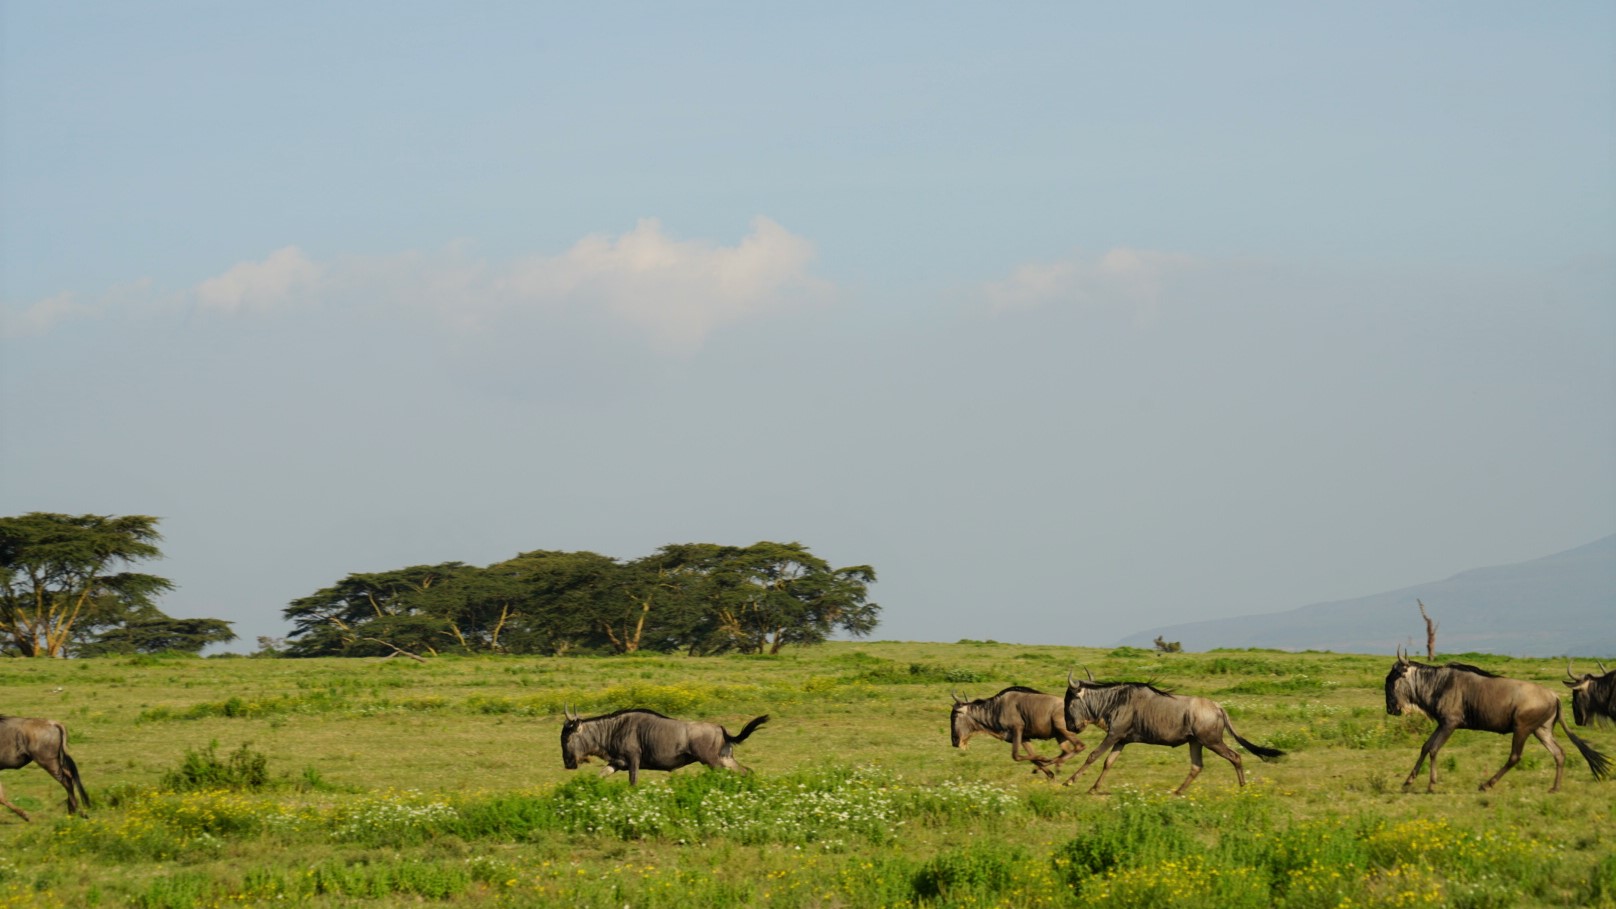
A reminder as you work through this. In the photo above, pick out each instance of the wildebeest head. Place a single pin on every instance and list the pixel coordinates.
(965, 718)
(961, 724)
(1079, 712)
(1400, 685)
(569, 728)
(1593, 697)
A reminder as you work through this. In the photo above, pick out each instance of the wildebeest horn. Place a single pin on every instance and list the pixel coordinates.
(1569, 674)
(1602, 668)
(1401, 656)
(956, 697)
(566, 711)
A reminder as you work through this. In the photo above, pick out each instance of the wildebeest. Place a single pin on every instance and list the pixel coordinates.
(24, 740)
(1140, 712)
(1016, 715)
(1460, 696)
(635, 738)
(1593, 697)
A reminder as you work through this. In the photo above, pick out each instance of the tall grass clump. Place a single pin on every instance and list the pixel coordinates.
(243, 768)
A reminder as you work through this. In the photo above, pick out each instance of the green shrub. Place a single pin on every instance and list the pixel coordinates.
(979, 870)
(243, 769)
(1136, 833)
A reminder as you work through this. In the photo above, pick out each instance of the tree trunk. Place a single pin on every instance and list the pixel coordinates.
(1430, 634)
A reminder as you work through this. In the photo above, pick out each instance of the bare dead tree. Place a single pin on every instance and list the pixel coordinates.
(1430, 634)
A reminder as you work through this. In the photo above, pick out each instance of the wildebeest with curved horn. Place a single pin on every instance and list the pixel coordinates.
(1138, 712)
(1016, 715)
(44, 742)
(1593, 697)
(638, 738)
(1460, 696)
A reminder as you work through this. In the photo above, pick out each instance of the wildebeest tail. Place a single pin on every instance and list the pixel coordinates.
(746, 730)
(71, 767)
(73, 772)
(1597, 762)
(1261, 751)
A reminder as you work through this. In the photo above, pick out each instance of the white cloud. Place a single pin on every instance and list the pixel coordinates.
(1122, 276)
(677, 290)
(38, 318)
(280, 278)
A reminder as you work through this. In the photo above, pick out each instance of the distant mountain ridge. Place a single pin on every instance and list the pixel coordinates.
(1563, 604)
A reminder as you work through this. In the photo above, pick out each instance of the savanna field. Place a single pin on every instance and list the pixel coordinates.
(235, 781)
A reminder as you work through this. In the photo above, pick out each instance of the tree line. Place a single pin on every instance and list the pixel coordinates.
(702, 598)
(67, 588)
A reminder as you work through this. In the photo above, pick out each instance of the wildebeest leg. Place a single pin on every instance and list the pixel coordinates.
(20, 813)
(634, 768)
(1195, 767)
(58, 773)
(1545, 734)
(1019, 745)
(1222, 750)
(1517, 744)
(1428, 750)
(1094, 755)
(1106, 767)
(1071, 746)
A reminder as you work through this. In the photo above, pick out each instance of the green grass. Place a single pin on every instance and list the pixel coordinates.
(390, 783)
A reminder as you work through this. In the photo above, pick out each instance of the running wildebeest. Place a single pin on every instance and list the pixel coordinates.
(24, 740)
(1140, 712)
(1016, 715)
(1459, 696)
(1593, 697)
(635, 738)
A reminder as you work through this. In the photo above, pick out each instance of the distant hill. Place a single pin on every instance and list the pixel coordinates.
(1557, 605)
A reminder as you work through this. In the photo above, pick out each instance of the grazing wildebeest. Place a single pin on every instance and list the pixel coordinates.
(1016, 715)
(1593, 697)
(635, 738)
(1459, 696)
(1140, 712)
(24, 740)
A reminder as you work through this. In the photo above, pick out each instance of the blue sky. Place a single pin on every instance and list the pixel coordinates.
(1069, 319)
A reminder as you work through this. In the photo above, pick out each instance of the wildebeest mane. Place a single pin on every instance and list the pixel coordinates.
(1151, 685)
(627, 710)
(1466, 667)
(1023, 688)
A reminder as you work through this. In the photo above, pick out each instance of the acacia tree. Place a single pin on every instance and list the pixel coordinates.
(58, 571)
(660, 600)
(148, 630)
(768, 595)
(380, 613)
(556, 598)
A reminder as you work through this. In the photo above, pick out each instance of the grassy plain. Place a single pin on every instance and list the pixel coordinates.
(396, 783)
